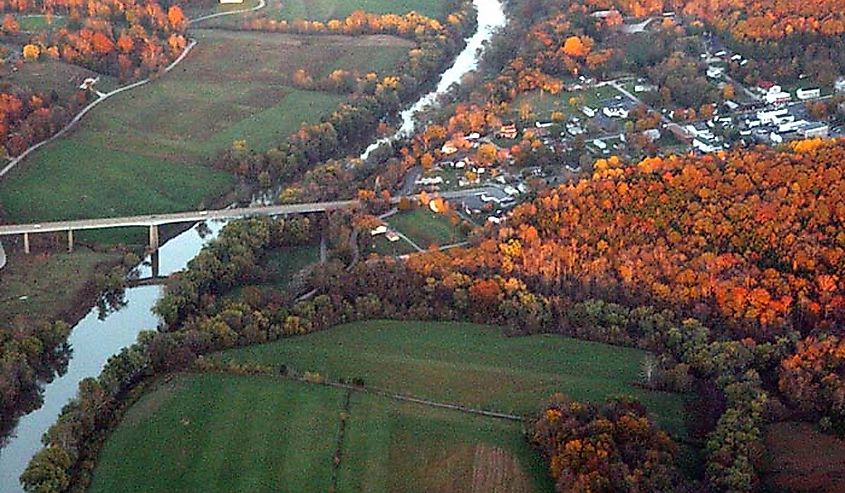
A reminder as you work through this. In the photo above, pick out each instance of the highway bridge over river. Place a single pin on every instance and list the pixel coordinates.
(153, 221)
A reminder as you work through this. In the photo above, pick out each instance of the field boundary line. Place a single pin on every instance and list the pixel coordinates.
(104, 96)
(418, 400)
(345, 414)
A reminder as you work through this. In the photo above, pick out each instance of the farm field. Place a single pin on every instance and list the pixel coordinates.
(469, 364)
(47, 284)
(226, 433)
(426, 228)
(47, 76)
(146, 150)
(323, 10)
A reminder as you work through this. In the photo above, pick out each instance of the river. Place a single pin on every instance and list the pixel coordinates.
(491, 17)
(93, 340)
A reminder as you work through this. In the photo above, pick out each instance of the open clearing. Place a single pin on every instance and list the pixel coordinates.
(146, 150)
(323, 10)
(426, 228)
(48, 283)
(469, 364)
(225, 433)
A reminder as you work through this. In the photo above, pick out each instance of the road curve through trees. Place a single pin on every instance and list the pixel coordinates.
(104, 96)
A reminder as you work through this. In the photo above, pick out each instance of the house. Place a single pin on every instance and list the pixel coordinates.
(543, 124)
(508, 131)
(379, 230)
(472, 136)
(652, 134)
(226, 2)
(615, 112)
(600, 144)
(88, 83)
(428, 181)
(815, 130)
(839, 85)
(804, 94)
(775, 138)
(715, 72)
(644, 88)
(766, 85)
(391, 236)
(680, 133)
(588, 111)
(777, 97)
(731, 105)
(448, 149)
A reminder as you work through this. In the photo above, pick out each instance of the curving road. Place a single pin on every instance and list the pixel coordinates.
(104, 96)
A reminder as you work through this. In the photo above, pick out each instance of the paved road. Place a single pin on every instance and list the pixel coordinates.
(197, 216)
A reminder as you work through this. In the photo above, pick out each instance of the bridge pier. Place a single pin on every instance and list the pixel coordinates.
(154, 237)
(154, 260)
(70, 241)
(26, 243)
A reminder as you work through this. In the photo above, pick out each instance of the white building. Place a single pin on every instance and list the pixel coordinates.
(839, 86)
(815, 130)
(804, 94)
(616, 112)
(588, 111)
(778, 97)
(769, 117)
(715, 72)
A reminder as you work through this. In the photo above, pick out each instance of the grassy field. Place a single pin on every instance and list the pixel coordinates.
(218, 433)
(426, 228)
(323, 10)
(50, 283)
(224, 433)
(408, 448)
(384, 247)
(38, 22)
(543, 104)
(46, 76)
(469, 364)
(145, 151)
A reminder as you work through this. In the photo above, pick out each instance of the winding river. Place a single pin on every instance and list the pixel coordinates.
(93, 340)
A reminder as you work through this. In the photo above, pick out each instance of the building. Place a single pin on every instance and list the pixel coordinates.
(804, 94)
(588, 111)
(226, 2)
(814, 130)
(839, 86)
(652, 134)
(88, 83)
(615, 112)
(715, 72)
(508, 131)
(778, 97)
(770, 117)
(391, 236)
(680, 133)
(380, 230)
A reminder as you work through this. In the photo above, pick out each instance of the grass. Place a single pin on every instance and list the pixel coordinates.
(282, 264)
(426, 228)
(323, 10)
(38, 22)
(385, 247)
(51, 283)
(544, 104)
(47, 76)
(402, 447)
(224, 433)
(146, 150)
(470, 364)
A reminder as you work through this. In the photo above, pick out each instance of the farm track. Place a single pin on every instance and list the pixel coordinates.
(105, 96)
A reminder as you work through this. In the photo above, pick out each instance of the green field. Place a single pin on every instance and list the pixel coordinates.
(544, 104)
(224, 433)
(469, 364)
(47, 76)
(38, 22)
(281, 265)
(426, 228)
(47, 285)
(323, 10)
(146, 150)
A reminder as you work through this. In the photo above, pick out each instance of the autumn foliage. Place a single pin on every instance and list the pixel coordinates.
(813, 379)
(608, 449)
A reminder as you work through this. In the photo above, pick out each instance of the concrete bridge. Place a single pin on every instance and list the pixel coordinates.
(153, 221)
